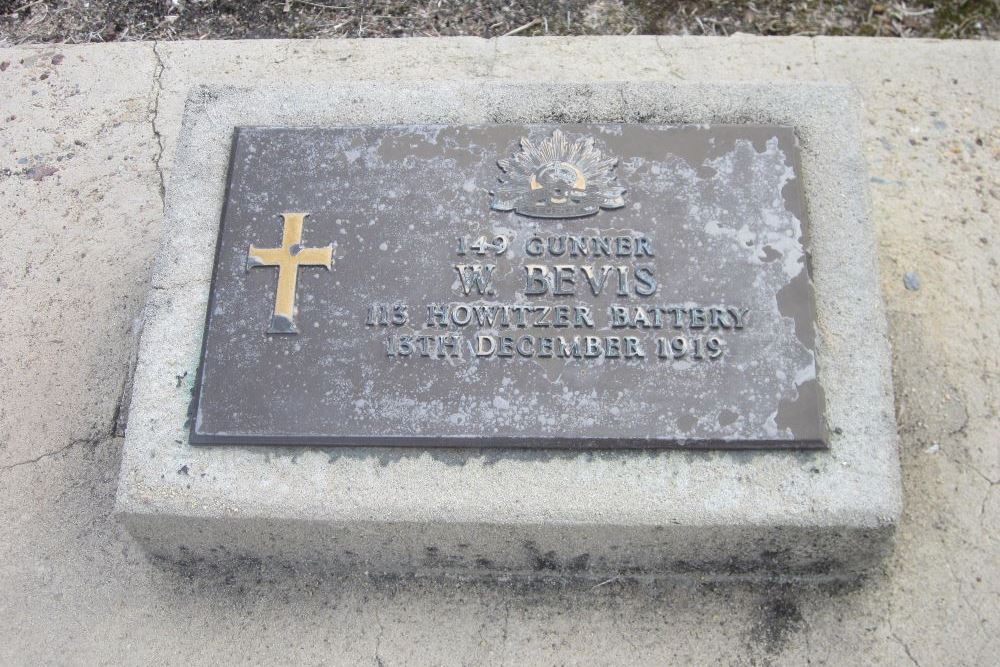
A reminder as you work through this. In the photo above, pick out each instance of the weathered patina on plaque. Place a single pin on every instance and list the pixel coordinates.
(532, 286)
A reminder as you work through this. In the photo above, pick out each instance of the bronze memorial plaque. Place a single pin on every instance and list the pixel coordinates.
(578, 286)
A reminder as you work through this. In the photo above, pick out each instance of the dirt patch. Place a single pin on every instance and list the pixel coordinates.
(72, 21)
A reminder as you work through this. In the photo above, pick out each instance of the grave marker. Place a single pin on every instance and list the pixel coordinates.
(461, 254)
(605, 285)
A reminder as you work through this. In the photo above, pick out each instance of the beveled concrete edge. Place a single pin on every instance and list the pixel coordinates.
(855, 484)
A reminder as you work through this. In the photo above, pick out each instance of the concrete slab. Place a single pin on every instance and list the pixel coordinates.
(74, 587)
(467, 510)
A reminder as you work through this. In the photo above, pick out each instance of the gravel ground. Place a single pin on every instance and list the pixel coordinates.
(73, 21)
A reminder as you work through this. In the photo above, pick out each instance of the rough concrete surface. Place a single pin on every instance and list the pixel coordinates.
(87, 137)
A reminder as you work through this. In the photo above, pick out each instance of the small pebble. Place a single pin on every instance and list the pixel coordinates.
(911, 281)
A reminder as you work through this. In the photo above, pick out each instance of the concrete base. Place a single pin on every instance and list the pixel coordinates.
(795, 513)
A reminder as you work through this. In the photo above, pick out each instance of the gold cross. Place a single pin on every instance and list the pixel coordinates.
(288, 258)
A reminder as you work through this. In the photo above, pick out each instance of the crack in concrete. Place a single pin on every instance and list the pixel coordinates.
(898, 640)
(119, 419)
(962, 594)
(503, 634)
(906, 648)
(982, 511)
(378, 640)
(154, 112)
(491, 69)
(91, 440)
(666, 57)
(969, 465)
(989, 480)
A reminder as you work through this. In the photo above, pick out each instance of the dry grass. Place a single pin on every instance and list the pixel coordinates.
(75, 21)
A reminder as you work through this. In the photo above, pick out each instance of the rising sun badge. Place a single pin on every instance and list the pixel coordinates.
(558, 179)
